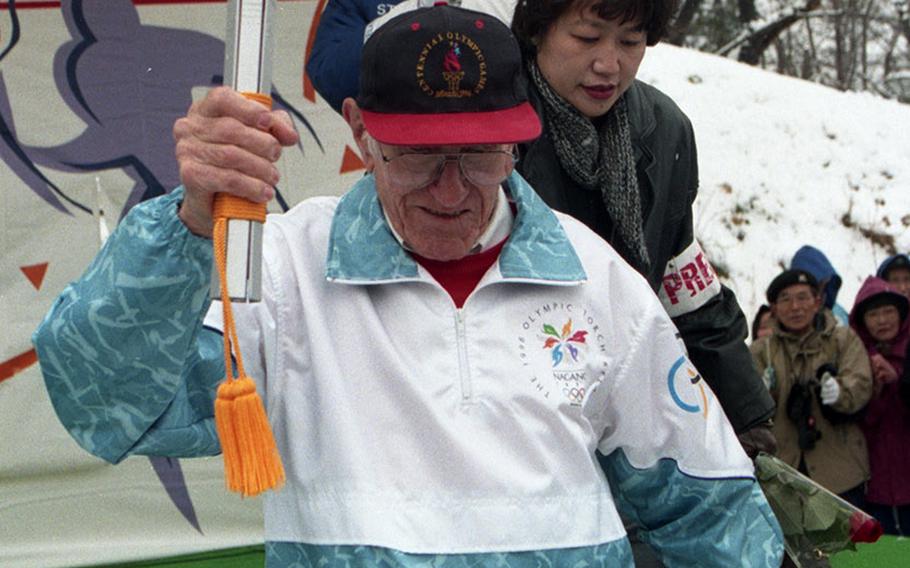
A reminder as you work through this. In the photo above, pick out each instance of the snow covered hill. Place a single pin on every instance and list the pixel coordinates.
(785, 162)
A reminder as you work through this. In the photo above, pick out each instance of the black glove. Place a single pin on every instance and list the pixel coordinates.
(758, 438)
(828, 368)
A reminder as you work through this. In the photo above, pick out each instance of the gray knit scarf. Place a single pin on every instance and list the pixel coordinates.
(602, 161)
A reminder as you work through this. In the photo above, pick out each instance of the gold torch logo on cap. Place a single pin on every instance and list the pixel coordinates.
(453, 73)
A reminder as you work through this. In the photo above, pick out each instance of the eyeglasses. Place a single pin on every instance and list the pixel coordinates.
(414, 170)
(801, 299)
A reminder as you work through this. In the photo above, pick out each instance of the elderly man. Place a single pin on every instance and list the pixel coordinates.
(435, 349)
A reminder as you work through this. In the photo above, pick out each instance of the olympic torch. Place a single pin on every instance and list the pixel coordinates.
(252, 463)
(247, 69)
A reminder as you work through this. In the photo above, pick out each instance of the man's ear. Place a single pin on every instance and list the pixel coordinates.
(351, 113)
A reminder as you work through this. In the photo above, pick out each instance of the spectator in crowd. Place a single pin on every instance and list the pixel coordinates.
(441, 353)
(880, 318)
(761, 323)
(896, 271)
(815, 262)
(820, 377)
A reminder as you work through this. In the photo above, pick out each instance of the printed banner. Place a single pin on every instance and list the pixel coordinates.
(89, 91)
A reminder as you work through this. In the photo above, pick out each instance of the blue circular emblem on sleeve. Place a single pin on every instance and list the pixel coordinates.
(694, 378)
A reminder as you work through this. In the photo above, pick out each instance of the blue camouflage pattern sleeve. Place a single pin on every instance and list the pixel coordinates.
(128, 367)
(690, 521)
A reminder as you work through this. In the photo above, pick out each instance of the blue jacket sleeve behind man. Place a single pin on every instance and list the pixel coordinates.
(334, 64)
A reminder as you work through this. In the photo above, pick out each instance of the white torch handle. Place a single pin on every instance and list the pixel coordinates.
(247, 68)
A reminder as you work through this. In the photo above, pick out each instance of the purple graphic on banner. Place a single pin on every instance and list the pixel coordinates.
(128, 82)
(171, 476)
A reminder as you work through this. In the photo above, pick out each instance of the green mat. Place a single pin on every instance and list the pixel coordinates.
(242, 557)
(888, 552)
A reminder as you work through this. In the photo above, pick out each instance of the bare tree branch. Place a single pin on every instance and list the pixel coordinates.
(846, 44)
(758, 41)
(747, 11)
(681, 26)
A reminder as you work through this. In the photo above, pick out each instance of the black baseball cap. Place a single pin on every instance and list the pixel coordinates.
(788, 278)
(443, 75)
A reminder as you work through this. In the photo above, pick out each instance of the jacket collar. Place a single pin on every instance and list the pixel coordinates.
(642, 120)
(642, 124)
(362, 248)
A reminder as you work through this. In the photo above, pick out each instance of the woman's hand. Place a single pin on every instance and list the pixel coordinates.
(882, 371)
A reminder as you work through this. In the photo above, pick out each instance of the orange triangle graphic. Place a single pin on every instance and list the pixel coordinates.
(35, 273)
(351, 162)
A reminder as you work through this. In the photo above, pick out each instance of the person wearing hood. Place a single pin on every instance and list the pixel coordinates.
(896, 271)
(880, 318)
(815, 262)
(819, 376)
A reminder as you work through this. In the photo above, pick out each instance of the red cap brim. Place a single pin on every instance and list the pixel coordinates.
(516, 124)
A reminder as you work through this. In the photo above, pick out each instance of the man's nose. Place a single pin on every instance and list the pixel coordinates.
(451, 188)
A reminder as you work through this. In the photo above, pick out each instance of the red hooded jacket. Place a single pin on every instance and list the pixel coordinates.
(887, 420)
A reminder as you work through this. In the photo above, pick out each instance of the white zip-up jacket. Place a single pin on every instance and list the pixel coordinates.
(408, 426)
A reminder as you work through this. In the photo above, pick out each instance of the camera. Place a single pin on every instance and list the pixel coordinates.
(799, 410)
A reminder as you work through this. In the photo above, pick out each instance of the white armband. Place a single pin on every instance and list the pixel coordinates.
(689, 281)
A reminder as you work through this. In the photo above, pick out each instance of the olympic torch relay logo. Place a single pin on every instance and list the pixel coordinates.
(562, 349)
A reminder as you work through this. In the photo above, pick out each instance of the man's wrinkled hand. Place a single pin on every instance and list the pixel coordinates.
(228, 143)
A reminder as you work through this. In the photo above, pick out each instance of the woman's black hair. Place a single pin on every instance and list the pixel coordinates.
(533, 18)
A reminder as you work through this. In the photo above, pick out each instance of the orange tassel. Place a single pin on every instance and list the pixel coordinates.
(252, 463)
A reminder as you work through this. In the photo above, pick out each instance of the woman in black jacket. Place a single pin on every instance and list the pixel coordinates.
(620, 156)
